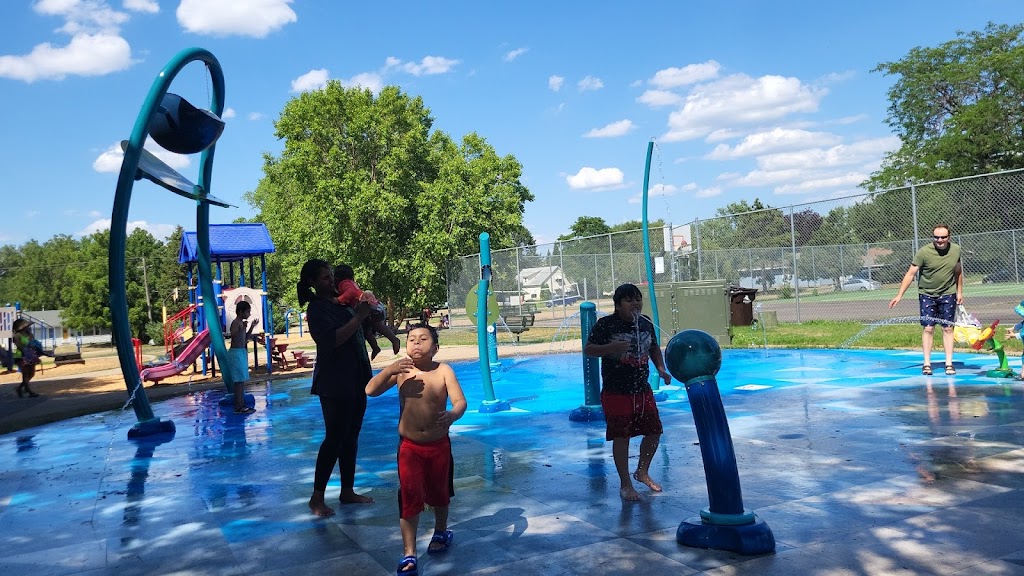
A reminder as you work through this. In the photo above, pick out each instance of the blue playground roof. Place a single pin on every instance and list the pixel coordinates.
(228, 243)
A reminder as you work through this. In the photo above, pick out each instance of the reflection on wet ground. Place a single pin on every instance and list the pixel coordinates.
(858, 463)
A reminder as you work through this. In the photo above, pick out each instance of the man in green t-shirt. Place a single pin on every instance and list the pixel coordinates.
(940, 289)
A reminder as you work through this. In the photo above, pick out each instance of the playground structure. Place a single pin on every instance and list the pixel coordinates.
(175, 125)
(189, 354)
(233, 249)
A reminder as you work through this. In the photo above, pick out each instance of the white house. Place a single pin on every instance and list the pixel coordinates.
(534, 280)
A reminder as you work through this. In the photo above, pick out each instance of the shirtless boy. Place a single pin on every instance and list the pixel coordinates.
(425, 466)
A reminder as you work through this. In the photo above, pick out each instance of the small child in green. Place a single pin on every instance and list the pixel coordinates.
(240, 336)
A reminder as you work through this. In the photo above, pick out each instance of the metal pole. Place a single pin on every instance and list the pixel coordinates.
(611, 259)
(796, 273)
(1016, 262)
(913, 214)
(696, 235)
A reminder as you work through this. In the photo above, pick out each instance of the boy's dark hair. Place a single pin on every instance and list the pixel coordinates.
(242, 306)
(344, 272)
(626, 291)
(428, 328)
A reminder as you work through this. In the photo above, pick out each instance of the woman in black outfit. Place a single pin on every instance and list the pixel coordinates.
(341, 374)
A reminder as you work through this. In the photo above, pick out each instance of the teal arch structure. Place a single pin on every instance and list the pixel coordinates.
(138, 164)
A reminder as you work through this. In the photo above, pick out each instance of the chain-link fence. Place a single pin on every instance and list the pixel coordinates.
(838, 259)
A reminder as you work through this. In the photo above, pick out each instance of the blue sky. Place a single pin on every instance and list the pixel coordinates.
(770, 100)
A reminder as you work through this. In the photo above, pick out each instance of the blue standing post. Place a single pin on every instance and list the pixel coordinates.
(268, 316)
(654, 378)
(591, 410)
(694, 358)
(490, 403)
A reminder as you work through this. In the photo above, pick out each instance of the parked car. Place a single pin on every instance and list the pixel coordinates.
(1000, 276)
(859, 284)
(563, 300)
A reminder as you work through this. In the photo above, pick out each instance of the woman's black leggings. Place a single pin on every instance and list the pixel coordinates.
(343, 417)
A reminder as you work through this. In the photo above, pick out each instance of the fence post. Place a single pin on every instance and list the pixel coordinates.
(913, 214)
(796, 272)
(611, 260)
(1016, 260)
(696, 234)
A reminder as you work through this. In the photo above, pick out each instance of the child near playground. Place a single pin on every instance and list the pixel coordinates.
(425, 464)
(350, 294)
(625, 341)
(240, 336)
(26, 355)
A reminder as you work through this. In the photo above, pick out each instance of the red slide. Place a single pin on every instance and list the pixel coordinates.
(182, 362)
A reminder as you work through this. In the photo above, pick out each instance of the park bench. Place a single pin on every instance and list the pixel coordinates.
(68, 358)
(518, 324)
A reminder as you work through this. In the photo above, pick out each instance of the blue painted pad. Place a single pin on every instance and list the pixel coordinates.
(228, 494)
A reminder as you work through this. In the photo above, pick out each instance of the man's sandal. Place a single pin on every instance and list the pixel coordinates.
(950, 371)
(926, 370)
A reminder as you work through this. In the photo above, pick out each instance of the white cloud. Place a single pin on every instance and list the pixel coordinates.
(657, 98)
(159, 231)
(816, 169)
(512, 55)
(255, 116)
(691, 74)
(839, 180)
(429, 65)
(370, 80)
(83, 16)
(740, 100)
(612, 130)
(591, 178)
(656, 190)
(589, 83)
(110, 159)
(85, 55)
(149, 6)
(771, 141)
(708, 192)
(96, 47)
(312, 80)
(555, 83)
(228, 114)
(860, 152)
(255, 18)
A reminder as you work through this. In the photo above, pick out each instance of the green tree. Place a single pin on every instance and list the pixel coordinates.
(585, 226)
(362, 180)
(89, 292)
(958, 109)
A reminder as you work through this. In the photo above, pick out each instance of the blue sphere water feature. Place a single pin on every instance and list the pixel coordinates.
(692, 353)
(694, 358)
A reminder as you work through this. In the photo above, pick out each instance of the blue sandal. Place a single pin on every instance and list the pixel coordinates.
(444, 539)
(406, 562)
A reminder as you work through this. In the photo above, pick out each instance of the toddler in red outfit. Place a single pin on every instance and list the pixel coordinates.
(350, 294)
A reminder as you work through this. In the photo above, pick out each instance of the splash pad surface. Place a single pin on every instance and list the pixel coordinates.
(841, 451)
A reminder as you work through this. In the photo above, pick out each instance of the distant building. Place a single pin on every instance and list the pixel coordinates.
(533, 281)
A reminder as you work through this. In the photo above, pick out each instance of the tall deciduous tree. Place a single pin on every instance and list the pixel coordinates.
(363, 180)
(958, 109)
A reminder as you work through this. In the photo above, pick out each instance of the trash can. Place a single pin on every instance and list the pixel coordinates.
(741, 306)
